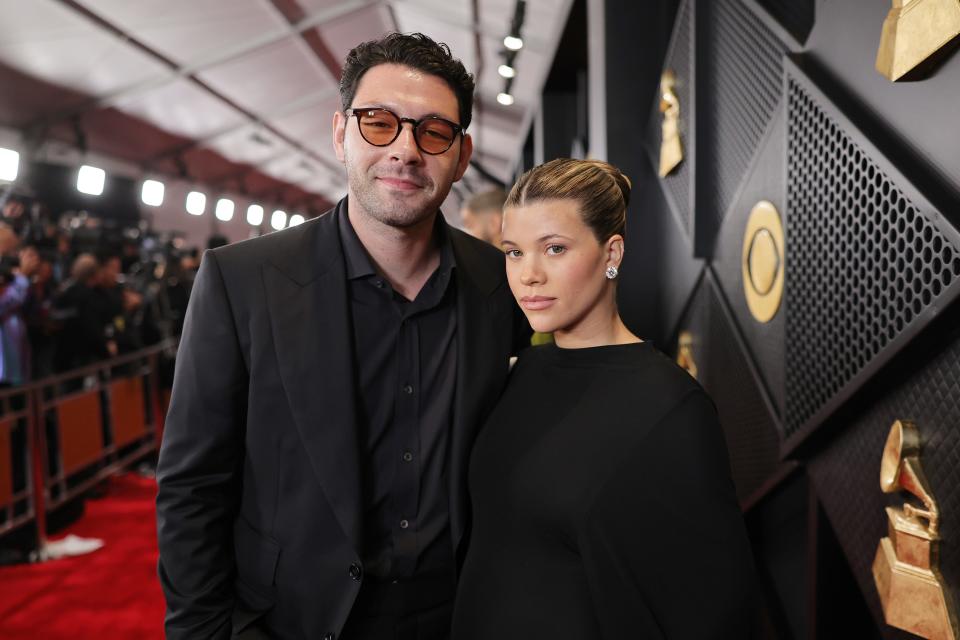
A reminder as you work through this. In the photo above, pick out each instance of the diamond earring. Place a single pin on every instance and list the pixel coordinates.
(611, 272)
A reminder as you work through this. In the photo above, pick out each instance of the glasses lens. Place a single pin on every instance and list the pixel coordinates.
(435, 136)
(378, 126)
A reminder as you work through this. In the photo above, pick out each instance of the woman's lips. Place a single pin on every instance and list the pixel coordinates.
(536, 303)
(400, 183)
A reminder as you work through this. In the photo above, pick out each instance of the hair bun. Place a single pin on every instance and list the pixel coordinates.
(624, 183)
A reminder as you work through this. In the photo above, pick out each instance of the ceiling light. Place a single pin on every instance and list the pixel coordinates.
(296, 219)
(255, 215)
(90, 180)
(278, 220)
(514, 43)
(196, 203)
(224, 210)
(506, 71)
(152, 193)
(9, 164)
(505, 99)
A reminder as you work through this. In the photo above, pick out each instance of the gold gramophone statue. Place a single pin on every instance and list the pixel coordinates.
(913, 32)
(905, 568)
(685, 353)
(671, 149)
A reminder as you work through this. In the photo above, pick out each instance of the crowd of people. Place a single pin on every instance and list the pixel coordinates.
(76, 289)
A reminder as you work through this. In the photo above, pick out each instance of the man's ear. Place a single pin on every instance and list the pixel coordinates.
(466, 151)
(339, 131)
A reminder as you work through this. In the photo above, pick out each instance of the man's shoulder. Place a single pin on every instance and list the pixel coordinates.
(484, 262)
(286, 247)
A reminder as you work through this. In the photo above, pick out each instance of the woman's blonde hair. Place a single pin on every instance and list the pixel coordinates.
(600, 189)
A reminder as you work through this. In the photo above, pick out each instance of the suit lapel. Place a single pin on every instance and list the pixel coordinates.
(309, 311)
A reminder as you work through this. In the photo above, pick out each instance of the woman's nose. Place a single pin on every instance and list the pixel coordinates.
(531, 273)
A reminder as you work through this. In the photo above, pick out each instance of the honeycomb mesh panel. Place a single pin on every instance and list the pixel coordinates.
(679, 60)
(741, 82)
(862, 261)
(796, 16)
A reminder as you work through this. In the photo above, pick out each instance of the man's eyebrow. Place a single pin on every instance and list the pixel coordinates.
(396, 110)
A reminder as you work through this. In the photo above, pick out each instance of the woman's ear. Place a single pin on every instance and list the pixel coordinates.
(614, 250)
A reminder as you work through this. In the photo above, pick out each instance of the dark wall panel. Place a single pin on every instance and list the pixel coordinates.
(679, 183)
(916, 118)
(726, 373)
(765, 341)
(924, 387)
(869, 260)
(739, 66)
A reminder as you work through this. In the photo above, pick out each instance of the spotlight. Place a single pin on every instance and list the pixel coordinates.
(255, 215)
(506, 71)
(278, 220)
(152, 193)
(196, 203)
(505, 98)
(90, 180)
(9, 164)
(296, 219)
(514, 43)
(224, 210)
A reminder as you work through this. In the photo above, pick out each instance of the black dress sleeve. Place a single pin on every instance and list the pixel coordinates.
(664, 545)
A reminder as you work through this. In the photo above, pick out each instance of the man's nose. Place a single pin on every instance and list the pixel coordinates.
(405, 148)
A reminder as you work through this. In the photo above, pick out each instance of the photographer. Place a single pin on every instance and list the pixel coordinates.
(15, 275)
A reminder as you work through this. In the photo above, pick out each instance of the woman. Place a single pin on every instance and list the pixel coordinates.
(603, 502)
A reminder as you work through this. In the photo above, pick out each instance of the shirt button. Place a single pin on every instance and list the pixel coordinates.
(356, 572)
(404, 524)
(407, 389)
(378, 284)
(407, 456)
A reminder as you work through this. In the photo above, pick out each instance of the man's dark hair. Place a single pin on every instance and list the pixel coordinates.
(413, 50)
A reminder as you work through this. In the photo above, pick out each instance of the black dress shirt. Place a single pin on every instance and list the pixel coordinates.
(405, 359)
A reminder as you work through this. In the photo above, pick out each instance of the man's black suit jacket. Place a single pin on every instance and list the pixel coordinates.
(259, 504)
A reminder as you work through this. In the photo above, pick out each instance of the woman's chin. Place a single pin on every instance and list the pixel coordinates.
(541, 324)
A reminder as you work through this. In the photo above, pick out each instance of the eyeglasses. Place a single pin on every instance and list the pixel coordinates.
(380, 127)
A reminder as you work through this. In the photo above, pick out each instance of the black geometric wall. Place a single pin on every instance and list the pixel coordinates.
(924, 388)
(789, 109)
(679, 184)
(739, 63)
(869, 260)
(726, 373)
(765, 181)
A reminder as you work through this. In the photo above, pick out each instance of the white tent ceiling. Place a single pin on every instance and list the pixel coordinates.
(242, 92)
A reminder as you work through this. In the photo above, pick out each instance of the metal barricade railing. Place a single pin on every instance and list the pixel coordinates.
(63, 434)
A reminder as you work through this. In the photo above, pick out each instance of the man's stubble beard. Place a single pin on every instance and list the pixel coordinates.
(395, 212)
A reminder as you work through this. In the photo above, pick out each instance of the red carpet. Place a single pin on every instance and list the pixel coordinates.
(110, 593)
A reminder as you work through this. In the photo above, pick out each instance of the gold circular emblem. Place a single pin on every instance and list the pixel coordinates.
(762, 261)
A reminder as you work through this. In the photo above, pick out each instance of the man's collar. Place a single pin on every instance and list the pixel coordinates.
(357, 261)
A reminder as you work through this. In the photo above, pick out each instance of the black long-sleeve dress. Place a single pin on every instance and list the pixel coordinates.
(603, 506)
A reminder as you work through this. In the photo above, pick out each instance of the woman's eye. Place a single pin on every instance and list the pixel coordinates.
(555, 249)
(512, 253)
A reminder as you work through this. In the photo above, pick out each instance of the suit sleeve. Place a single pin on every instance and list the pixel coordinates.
(201, 458)
(521, 329)
(664, 545)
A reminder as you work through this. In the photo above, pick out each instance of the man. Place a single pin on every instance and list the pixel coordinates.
(482, 215)
(330, 382)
